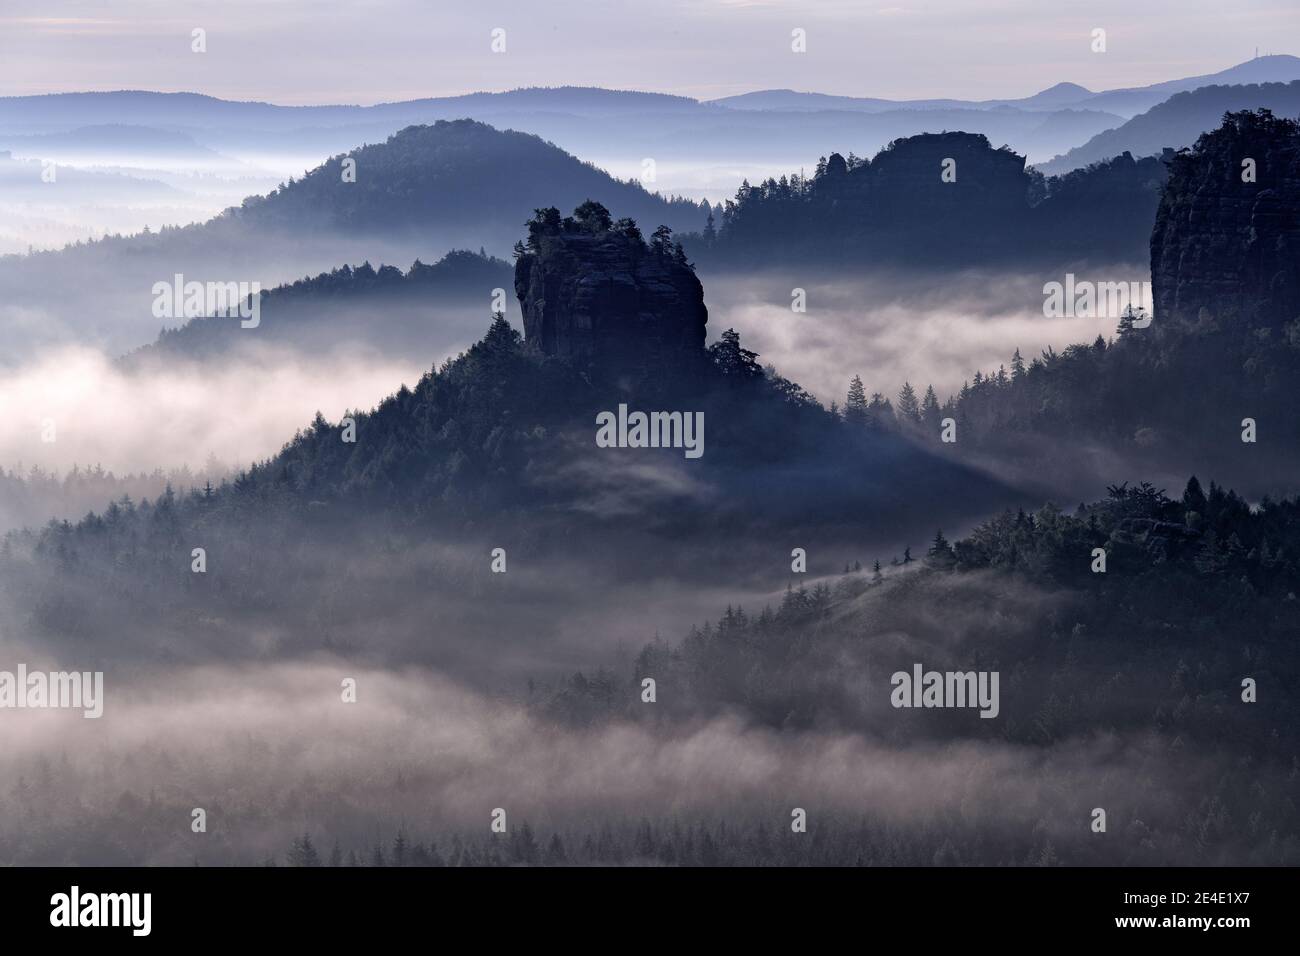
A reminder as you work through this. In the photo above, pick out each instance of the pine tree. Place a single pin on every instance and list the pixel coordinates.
(930, 409)
(880, 413)
(1194, 497)
(940, 554)
(909, 409)
(661, 242)
(1017, 367)
(855, 405)
(732, 359)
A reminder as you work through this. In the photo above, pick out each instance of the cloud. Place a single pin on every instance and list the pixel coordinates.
(181, 414)
(271, 751)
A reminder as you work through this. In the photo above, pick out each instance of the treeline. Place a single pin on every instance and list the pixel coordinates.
(830, 840)
(940, 199)
(33, 496)
(1141, 389)
(361, 303)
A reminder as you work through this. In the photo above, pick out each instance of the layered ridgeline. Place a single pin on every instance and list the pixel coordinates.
(452, 185)
(1178, 122)
(425, 310)
(1222, 347)
(939, 200)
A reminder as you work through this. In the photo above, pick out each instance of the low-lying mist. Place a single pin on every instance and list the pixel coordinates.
(271, 752)
(926, 328)
(74, 406)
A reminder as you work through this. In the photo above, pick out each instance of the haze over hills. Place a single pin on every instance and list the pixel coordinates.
(618, 129)
(428, 310)
(114, 144)
(420, 193)
(1177, 122)
(1122, 102)
(701, 149)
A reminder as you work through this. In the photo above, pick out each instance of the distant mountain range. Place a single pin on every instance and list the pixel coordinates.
(1123, 102)
(620, 129)
(118, 145)
(1177, 122)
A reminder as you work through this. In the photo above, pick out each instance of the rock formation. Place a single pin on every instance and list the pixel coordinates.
(594, 291)
(1225, 247)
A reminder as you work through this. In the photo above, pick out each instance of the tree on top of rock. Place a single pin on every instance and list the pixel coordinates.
(591, 216)
(733, 360)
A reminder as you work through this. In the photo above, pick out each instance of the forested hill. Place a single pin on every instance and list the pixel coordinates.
(1172, 639)
(1178, 572)
(1227, 310)
(426, 189)
(936, 200)
(378, 307)
(454, 171)
(1179, 121)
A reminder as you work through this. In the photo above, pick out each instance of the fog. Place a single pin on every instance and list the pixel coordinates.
(271, 751)
(178, 416)
(927, 327)
(110, 307)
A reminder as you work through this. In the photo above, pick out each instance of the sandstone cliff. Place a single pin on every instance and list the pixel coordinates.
(594, 291)
(1223, 247)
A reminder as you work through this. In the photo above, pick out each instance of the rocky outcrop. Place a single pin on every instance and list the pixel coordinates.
(594, 291)
(1226, 248)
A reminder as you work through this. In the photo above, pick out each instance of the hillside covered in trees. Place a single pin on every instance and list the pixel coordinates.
(383, 308)
(1179, 121)
(938, 200)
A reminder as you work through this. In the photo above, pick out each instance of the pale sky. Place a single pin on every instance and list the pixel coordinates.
(367, 51)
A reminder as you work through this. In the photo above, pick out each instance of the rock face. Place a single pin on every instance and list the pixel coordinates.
(1225, 246)
(595, 291)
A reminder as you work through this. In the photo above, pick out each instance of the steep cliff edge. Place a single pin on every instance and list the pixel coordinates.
(596, 292)
(1226, 243)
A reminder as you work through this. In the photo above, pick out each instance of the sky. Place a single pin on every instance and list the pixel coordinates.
(368, 51)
